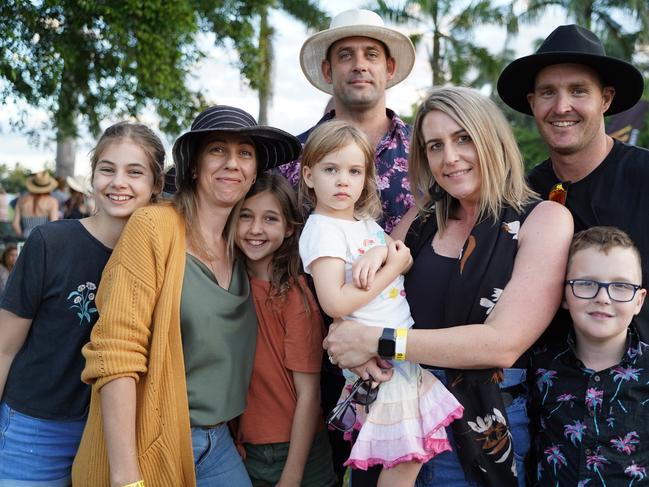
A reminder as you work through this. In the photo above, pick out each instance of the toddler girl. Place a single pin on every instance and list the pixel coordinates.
(404, 426)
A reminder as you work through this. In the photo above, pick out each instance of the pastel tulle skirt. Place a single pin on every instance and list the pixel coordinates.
(406, 422)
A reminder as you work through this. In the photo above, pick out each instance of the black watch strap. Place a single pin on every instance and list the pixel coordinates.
(387, 344)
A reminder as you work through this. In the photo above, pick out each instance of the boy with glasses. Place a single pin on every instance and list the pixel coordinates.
(590, 395)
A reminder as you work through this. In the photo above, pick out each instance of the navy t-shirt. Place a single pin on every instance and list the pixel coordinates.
(54, 283)
(615, 193)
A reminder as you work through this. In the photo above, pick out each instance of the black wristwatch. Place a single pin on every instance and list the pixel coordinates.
(387, 344)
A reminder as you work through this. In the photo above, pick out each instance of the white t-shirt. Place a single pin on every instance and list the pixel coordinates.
(324, 236)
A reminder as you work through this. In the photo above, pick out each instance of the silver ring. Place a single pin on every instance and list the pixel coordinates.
(331, 359)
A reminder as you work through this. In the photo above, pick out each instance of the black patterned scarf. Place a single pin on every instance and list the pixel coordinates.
(482, 436)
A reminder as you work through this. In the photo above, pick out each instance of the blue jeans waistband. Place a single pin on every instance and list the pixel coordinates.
(512, 377)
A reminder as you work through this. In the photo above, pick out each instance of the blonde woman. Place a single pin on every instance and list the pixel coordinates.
(487, 278)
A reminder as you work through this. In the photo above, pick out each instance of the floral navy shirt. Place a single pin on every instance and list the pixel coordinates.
(391, 169)
(593, 427)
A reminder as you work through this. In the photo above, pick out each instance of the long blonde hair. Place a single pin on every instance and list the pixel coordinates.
(330, 137)
(502, 172)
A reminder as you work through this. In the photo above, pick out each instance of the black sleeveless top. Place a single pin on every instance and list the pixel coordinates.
(427, 290)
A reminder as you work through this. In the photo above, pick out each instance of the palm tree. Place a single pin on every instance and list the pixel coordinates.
(449, 27)
(247, 24)
(600, 17)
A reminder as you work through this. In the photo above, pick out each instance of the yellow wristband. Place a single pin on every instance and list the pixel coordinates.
(400, 345)
(139, 483)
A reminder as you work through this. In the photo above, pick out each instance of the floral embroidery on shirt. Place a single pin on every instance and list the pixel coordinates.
(490, 303)
(513, 228)
(83, 298)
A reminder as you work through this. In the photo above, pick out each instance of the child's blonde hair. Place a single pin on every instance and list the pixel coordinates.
(330, 137)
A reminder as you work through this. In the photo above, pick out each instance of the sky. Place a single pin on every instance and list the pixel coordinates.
(296, 104)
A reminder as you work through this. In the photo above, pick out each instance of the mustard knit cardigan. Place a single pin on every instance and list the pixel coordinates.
(138, 335)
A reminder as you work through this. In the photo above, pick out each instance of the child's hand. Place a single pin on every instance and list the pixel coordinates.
(365, 267)
(399, 256)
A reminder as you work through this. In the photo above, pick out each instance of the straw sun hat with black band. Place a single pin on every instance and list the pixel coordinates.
(273, 146)
(355, 23)
(41, 183)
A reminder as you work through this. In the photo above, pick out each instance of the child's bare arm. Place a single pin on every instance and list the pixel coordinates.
(365, 267)
(303, 428)
(338, 298)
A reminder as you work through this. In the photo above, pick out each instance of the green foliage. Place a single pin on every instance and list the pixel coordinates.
(240, 21)
(449, 26)
(246, 24)
(95, 59)
(13, 179)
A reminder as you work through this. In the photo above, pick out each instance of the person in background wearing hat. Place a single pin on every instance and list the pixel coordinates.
(171, 355)
(48, 309)
(36, 207)
(76, 206)
(569, 85)
(355, 61)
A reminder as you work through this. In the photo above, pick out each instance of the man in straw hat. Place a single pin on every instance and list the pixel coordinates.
(569, 85)
(356, 60)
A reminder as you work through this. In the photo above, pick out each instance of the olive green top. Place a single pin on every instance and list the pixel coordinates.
(219, 333)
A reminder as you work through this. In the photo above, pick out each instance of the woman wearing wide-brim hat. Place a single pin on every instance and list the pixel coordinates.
(171, 355)
(76, 206)
(37, 206)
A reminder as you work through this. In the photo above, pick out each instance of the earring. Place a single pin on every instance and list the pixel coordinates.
(436, 192)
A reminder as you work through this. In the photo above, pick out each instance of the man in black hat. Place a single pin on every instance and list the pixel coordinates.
(569, 85)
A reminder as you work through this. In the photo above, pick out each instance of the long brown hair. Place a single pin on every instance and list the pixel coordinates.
(285, 267)
(145, 138)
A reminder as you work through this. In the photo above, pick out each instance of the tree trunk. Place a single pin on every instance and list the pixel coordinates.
(65, 156)
(266, 66)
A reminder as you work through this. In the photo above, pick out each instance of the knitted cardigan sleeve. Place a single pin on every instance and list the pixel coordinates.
(126, 299)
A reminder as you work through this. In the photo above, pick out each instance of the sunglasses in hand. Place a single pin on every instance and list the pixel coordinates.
(343, 416)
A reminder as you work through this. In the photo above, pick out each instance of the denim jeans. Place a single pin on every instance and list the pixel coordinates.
(216, 460)
(36, 452)
(445, 468)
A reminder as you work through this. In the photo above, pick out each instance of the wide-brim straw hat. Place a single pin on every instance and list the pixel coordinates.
(41, 183)
(273, 146)
(576, 45)
(80, 184)
(355, 23)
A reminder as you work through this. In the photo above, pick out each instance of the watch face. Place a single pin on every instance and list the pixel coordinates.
(387, 345)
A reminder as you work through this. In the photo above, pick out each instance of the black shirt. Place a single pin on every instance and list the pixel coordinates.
(615, 193)
(591, 425)
(54, 283)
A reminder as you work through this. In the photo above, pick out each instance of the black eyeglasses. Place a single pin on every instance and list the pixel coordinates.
(343, 416)
(621, 292)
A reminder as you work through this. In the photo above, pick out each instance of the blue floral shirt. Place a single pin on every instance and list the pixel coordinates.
(592, 427)
(391, 169)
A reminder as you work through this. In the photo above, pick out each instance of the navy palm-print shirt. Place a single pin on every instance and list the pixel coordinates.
(391, 158)
(592, 427)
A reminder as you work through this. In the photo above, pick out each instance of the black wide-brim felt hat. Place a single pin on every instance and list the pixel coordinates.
(273, 146)
(577, 45)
